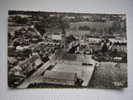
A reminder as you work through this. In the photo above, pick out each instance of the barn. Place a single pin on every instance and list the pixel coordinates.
(60, 78)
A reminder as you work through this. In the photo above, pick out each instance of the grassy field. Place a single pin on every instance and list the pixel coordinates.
(109, 75)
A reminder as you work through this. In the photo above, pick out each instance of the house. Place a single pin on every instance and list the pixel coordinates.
(117, 58)
(30, 64)
(57, 36)
(60, 78)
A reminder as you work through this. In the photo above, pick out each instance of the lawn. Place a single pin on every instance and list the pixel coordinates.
(109, 75)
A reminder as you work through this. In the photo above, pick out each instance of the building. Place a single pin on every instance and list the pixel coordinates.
(60, 78)
(57, 36)
(30, 64)
(93, 40)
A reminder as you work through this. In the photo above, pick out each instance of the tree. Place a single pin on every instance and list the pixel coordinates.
(16, 43)
(70, 38)
(104, 48)
(93, 30)
(115, 51)
(20, 20)
(84, 28)
(116, 27)
(110, 31)
(41, 28)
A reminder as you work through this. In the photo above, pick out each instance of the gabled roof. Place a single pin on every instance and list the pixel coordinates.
(60, 75)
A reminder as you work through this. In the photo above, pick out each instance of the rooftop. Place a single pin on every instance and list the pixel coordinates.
(60, 75)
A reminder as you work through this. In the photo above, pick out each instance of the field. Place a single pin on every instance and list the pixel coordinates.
(97, 25)
(109, 75)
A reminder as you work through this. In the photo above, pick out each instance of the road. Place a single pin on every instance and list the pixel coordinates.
(89, 70)
(34, 76)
